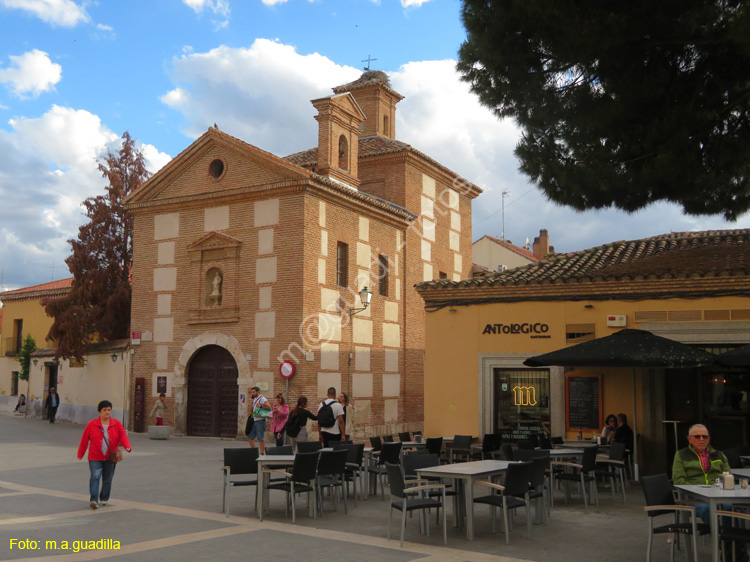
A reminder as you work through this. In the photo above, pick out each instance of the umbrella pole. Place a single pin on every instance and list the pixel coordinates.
(636, 476)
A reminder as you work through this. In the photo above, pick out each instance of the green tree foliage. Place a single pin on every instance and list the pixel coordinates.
(98, 305)
(24, 356)
(620, 103)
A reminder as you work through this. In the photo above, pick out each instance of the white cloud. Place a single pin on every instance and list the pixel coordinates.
(48, 166)
(274, 2)
(413, 3)
(55, 12)
(218, 7)
(31, 73)
(261, 95)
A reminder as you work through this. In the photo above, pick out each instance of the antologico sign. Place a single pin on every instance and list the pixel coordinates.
(533, 329)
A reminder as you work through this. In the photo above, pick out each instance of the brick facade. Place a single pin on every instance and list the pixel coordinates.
(237, 248)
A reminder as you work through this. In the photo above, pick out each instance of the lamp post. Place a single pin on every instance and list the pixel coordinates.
(365, 295)
(124, 375)
(35, 361)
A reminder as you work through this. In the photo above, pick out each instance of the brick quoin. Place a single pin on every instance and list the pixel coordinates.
(262, 221)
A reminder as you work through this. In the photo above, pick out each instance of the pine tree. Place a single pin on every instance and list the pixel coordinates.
(620, 103)
(98, 304)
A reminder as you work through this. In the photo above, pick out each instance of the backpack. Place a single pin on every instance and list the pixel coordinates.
(326, 418)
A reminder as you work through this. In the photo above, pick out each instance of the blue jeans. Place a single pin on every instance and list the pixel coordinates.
(105, 471)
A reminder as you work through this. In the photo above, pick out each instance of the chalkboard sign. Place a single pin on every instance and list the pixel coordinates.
(583, 398)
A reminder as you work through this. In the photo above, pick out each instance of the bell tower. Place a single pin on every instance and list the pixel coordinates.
(378, 101)
(339, 118)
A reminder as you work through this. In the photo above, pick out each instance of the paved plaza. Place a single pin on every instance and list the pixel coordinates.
(166, 505)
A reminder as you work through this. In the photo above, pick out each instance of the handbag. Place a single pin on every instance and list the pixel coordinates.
(259, 412)
(114, 456)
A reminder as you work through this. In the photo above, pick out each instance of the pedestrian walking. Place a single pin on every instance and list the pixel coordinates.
(103, 437)
(280, 416)
(158, 410)
(52, 403)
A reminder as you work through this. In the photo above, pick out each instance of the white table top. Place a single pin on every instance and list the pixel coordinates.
(473, 468)
(714, 492)
(565, 452)
(276, 458)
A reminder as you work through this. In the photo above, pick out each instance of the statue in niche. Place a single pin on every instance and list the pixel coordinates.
(215, 295)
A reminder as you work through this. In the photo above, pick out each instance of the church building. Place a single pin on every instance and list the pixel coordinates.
(246, 262)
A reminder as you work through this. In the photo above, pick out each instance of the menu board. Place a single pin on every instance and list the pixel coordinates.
(583, 399)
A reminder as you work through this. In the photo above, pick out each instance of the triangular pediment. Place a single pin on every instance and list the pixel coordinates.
(213, 241)
(214, 163)
(347, 103)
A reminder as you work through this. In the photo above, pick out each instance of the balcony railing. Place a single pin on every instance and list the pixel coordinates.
(11, 346)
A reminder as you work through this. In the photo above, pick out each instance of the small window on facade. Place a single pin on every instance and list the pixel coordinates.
(216, 169)
(579, 333)
(342, 264)
(386, 127)
(442, 275)
(383, 275)
(343, 153)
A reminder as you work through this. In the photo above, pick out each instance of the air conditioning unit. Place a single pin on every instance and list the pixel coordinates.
(617, 320)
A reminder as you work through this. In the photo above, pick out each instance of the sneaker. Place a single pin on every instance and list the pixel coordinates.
(103, 504)
(93, 505)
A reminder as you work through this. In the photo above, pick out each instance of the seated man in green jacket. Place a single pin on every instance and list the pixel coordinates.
(699, 464)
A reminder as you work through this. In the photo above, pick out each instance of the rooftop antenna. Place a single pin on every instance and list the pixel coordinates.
(506, 194)
(368, 60)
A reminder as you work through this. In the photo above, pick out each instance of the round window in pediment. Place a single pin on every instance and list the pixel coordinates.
(216, 169)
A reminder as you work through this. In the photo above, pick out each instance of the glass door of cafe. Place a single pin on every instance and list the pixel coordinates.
(521, 403)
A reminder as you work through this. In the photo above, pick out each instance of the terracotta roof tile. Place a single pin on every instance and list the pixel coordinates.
(716, 253)
(44, 287)
(374, 146)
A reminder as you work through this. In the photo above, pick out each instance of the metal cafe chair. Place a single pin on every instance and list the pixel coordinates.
(461, 447)
(411, 463)
(355, 468)
(512, 494)
(582, 473)
(404, 436)
(331, 474)
(243, 463)
(660, 501)
(405, 499)
(309, 446)
(391, 453)
(300, 480)
(735, 534)
(613, 468)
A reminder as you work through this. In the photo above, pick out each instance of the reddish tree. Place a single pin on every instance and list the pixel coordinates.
(98, 305)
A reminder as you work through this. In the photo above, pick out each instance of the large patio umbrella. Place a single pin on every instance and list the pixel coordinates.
(626, 348)
(738, 357)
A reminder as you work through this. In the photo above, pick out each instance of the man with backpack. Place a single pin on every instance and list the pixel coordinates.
(330, 418)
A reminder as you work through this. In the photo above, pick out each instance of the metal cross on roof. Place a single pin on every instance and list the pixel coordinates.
(368, 60)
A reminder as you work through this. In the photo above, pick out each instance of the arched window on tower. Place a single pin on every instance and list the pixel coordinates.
(343, 153)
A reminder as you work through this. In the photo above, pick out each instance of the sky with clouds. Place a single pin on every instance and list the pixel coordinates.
(74, 75)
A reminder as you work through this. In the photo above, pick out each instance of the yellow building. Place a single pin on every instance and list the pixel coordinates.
(81, 385)
(690, 287)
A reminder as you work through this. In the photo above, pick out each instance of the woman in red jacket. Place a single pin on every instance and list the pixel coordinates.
(105, 435)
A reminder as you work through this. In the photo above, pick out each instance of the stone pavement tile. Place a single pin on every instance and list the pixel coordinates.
(29, 505)
(128, 526)
(273, 545)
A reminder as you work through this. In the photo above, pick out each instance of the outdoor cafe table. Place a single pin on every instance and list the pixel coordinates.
(264, 461)
(562, 453)
(714, 496)
(464, 474)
